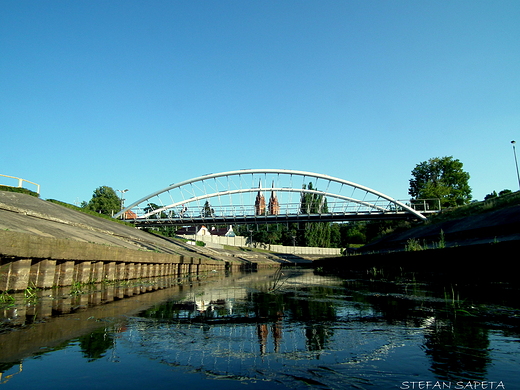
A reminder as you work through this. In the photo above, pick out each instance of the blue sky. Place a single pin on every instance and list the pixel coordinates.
(142, 94)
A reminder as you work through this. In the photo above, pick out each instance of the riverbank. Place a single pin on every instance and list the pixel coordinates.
(486, 222)
(477, 241)
(45, 244)
(493, 261)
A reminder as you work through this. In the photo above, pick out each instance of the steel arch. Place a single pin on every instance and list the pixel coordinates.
(210, 186)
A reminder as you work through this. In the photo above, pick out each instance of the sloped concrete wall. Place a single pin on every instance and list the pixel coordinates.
(33, 261)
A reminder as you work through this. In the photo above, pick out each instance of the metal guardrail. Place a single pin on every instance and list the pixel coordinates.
(20, 182)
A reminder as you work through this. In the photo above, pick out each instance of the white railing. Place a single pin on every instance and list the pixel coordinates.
(20, 182)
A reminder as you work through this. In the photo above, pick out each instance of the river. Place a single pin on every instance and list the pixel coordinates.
(288, 328)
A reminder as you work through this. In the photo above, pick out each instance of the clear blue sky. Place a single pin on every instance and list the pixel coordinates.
(142, 94)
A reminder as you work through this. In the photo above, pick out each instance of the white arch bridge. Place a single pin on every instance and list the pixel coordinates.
(259, 196)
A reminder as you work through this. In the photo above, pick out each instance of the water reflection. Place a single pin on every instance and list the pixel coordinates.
(458, 349)
(288, 328)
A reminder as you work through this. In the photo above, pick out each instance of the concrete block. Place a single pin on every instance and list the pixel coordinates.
(64, 274)
(82, 272)
(5, 271)
(43, 273)
(19, 275)
(110, 270)
(120, 271)
(130, 271)
(97, 272)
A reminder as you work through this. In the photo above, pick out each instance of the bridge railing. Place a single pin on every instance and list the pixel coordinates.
(20, 182)
(188, 212)
(432, 205)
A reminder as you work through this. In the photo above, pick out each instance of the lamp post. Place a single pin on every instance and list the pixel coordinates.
(251, 237)
(122, 200)
(516, 163)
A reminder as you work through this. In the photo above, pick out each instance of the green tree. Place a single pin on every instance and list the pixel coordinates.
(441, 178)
(491, 196)
(316, 234)
(104, 201)
(313, 203)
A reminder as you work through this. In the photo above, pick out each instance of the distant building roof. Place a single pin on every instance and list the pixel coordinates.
(129, 215)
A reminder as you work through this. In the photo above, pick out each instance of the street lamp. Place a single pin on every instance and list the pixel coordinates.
(516, 163)
(122, 200)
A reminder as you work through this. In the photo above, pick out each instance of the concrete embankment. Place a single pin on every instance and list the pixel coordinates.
(477, 246)
(462, 264)
(43, 244)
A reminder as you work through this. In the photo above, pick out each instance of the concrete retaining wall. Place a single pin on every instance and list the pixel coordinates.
(33, 261)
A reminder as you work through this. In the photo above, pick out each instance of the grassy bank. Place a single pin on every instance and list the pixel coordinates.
(476, 208)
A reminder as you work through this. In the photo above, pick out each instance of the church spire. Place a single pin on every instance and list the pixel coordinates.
(260, 201)
(274, 206)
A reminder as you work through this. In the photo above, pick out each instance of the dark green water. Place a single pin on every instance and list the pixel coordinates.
(269, 329)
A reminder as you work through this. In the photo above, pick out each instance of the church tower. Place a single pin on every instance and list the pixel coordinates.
(260, 201)
(274, 206)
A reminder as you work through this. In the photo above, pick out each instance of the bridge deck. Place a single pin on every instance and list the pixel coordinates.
(270, 219)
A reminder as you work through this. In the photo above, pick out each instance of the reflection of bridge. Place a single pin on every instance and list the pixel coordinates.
(237, 197)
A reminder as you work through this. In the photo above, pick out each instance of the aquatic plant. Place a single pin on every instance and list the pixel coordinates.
(6, 298)
(76, 288)
(454, 304)
(31, 294)
(279, 280)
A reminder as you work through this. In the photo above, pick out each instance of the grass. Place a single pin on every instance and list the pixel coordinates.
(20, 190)
(6, 299)
(31, 294)
(414, 245)
(454, 304)
(477, 208)
(89, 212)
